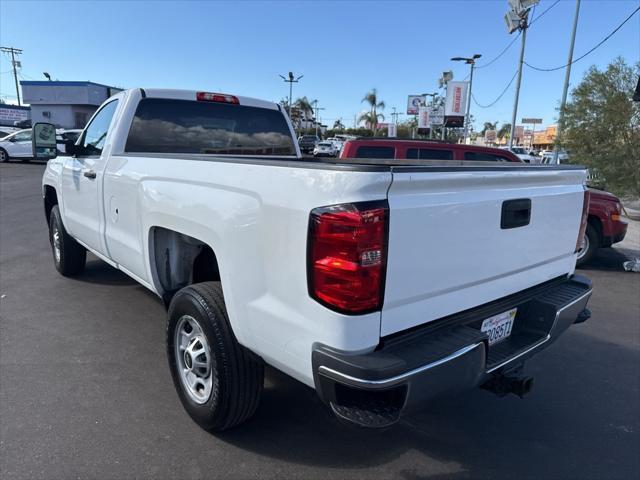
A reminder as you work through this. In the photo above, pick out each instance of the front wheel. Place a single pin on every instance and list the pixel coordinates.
(219, 382)
(69, 257)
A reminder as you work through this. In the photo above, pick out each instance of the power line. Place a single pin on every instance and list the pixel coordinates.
(499, 96)
(501, 53)
(545, 11)
(588, 52)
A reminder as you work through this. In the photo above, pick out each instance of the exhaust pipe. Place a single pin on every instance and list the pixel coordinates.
(502, 385)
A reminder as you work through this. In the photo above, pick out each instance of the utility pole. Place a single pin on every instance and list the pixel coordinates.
(518, 80)
(469, 61)
(317, 109)
(13, 51)
(517, 19)
(291, 80)
(567, 76)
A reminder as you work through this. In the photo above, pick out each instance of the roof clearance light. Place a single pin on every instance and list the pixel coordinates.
(217, 97)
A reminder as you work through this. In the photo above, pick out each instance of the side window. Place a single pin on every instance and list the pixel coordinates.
(375, 152)
(96, 133)
(483, 157)
(429, 154)
(23, 137)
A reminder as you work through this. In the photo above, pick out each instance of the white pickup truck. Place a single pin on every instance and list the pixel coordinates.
(379, 283)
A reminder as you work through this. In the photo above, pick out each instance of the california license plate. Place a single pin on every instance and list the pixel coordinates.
(499, 326)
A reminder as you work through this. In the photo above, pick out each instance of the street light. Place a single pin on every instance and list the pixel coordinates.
(469, 61)
(291, 80)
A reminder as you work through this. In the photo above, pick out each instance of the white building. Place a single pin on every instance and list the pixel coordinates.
(65, 104)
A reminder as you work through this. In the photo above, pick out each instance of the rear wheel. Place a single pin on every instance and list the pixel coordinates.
(590, 245)
(4, 156)
(219, 382)
(69, 256)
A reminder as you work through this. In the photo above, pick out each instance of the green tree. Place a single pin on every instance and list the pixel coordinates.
(504, 131)
(338, 125)
(374, 105)
(602, 125)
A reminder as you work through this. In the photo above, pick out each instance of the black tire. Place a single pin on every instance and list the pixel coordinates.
(592, 237)
(237, 374)
(4, 156)
(72, 256)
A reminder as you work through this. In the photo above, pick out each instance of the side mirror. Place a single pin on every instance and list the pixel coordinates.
(44, 141)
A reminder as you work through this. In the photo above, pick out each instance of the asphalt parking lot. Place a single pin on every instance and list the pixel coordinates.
(85, 391)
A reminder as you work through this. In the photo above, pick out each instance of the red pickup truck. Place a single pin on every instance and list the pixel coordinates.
(605, 226)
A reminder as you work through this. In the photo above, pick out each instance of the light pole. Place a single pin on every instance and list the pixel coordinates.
(291, 80)
(469, 61)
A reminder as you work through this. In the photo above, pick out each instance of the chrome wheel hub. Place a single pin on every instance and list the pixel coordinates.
(55, 240)
(193, 358)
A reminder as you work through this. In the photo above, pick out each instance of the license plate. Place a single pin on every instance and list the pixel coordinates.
(499, 326)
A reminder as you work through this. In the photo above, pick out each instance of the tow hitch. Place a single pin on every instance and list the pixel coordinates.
(511, 382)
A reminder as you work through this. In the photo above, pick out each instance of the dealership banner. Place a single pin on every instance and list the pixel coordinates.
(423, 117)
(392, 130)
(456, 101)
(490, 136)
(436, 116)
(414, 103)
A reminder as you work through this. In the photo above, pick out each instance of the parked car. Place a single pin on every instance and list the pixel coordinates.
(378, 284)
(523, 154)
(325, 149)
(22, 123)
(383, 148)
(308, 143)
(605, 226)
(4, 131)
(16, 146)
(337, 143)
(563, 157)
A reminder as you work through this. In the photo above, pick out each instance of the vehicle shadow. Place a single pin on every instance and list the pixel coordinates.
(611, 259)
(564, 423)
(101, 273)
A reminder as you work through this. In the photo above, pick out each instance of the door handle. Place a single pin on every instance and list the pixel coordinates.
(89, 174)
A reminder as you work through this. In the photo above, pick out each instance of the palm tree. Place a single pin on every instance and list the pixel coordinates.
(338, 125)
(371, 119)
(372, 99)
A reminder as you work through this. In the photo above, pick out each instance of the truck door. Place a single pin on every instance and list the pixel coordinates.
(82, 180)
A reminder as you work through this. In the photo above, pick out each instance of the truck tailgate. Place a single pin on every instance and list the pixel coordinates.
(448, 251)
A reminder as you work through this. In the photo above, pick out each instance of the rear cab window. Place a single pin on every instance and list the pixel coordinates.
(375, 152)
(429, 154)
(185, 126)
(484, 157)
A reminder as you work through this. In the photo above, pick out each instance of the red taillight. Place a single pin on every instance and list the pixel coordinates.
(217, 97)
(347, 256)
(584, 219)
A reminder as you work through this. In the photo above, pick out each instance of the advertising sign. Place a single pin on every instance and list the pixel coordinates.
(456, 100)
(413, 104)
(392, 130)
(13, 113)
(532, 120)
(490, 136)
(423, 117)
(436, 116)
(519, 132)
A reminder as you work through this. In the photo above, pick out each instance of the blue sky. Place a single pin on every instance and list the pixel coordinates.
(342, 48)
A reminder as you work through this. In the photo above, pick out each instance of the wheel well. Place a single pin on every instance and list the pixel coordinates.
(179, 260)
(596, 223)
(50, 200)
